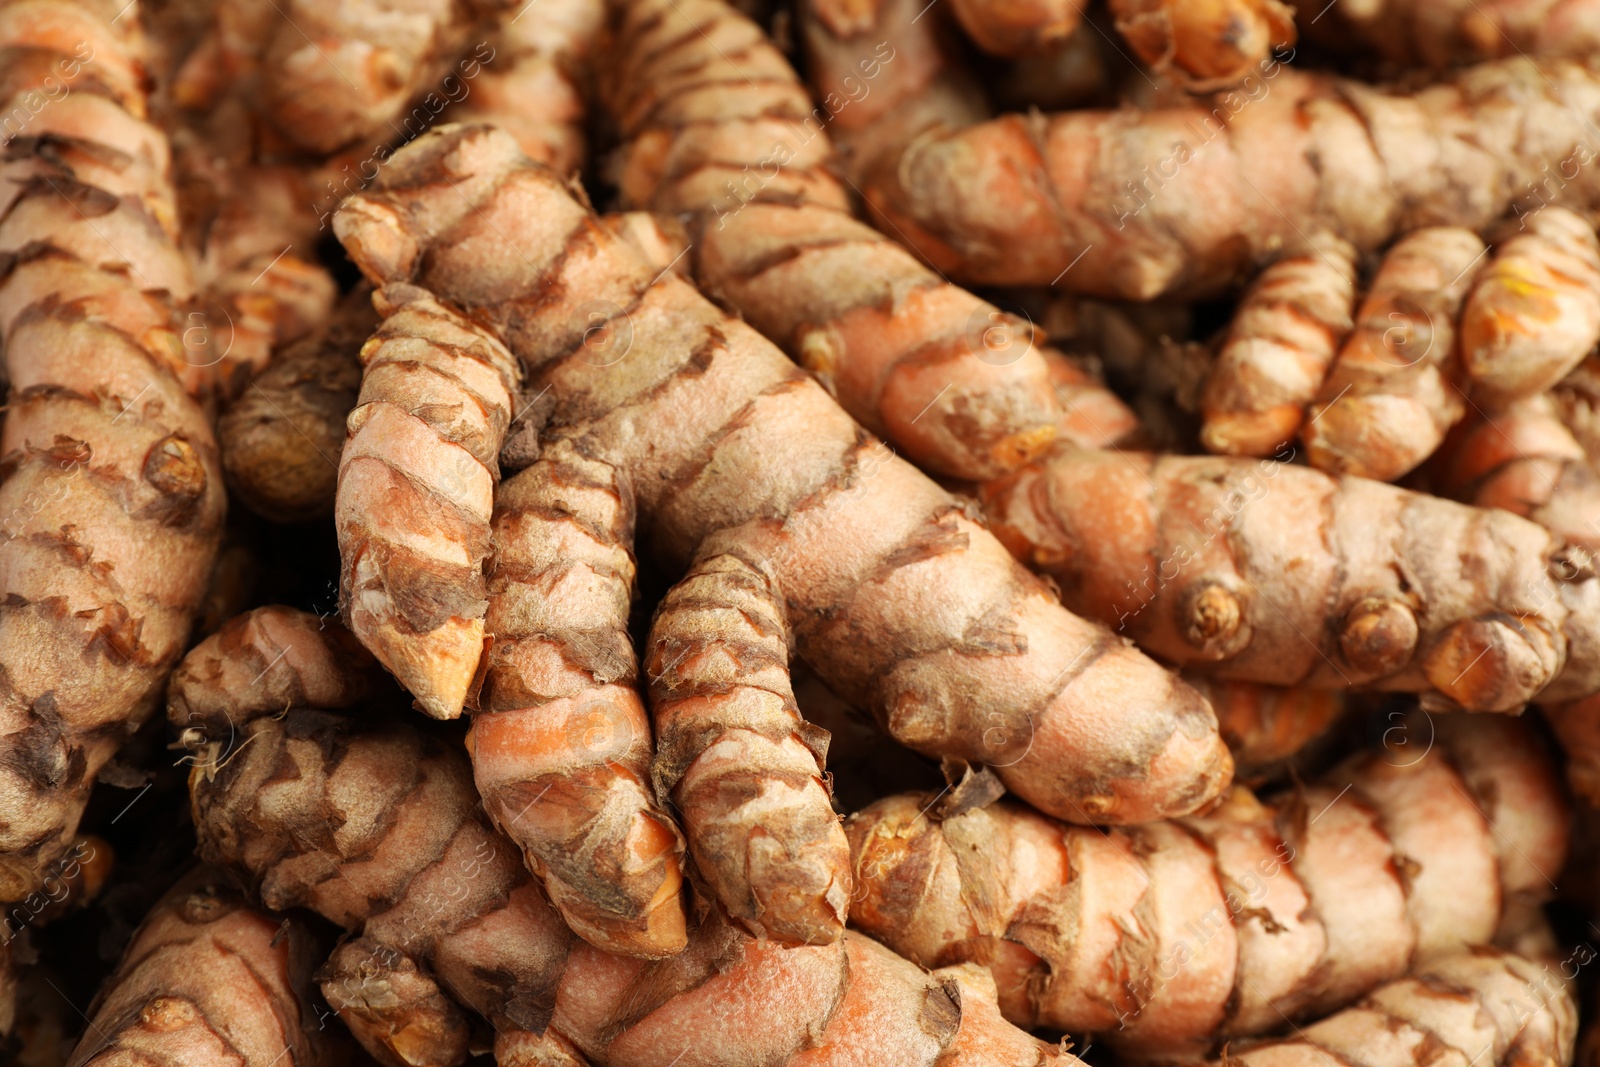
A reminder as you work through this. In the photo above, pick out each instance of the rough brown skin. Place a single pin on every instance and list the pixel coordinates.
(903, 604)
(1535, 311)
(262, 662)
(560, 742)
(281, 438)
(1523, 459)
(438, 905)
(537, 85)
(1167, 939)
(112, 503)
(1190, 200)
(1268, 572)
(328, 76)
(416, 487)
(1393, 391)
(718, 126)
(250, 232)
(1423, 33)
(732, 1000)
(1209, 43)
(210, 981)
(1276, 353)
(735, 758)
(1486, 1006)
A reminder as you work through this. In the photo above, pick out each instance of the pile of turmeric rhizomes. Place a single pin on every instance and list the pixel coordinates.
(984, 534)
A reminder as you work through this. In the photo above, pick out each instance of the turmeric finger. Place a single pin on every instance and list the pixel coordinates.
(736, 759)
(1272, 573)
(1391, 396)
(1017, 27)
(560, 742)
(1277, 351)
(1431, 33)
(1213, 42)
(112, 505)
(210, 981)
(941, 373)
(416, 484)
(1535, 311)
(1172, 938)
(1526, 461)
(1266, 725)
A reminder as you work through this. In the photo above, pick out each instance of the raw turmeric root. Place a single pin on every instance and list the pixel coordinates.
(1273, 573)
(560, 742)
(446, 918)
(327, 76)
(210, 981)
(1577, 727)
(1272, 362)
(1266, 725)
(262, 662)
(730, 999)
(1424, 33)
(1535, 311)
(536, 87)
(902, 603)
(1170, 938)
(1213, 43)
(112, 503)
(440, 908)
(1017, 27)
(946, 377)
(1190, 200)
(736, 759)
(282, 437)
(416, 485)
(1485, 1006)
(1391, 395)
(1523, 459)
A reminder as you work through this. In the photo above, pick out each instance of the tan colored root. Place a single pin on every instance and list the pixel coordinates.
(262, 663)
(1170, 938)
(1535, 310)
(902, 602)
(1429, 33)
(210, 981)
(736, 759)
(282, 437)
(377, 829)
(416, 487)
(560, 742)
(112, 504)
(1212, 43)
(536, 86)
(838, 1005)
(956, 384)
(1391, 395)
(1017, 27)
(1277, 351)
(1523, 459)
(327, 77)
(1190, 200)
(1484, 1006)
(1273, 573)
(1266, 725)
